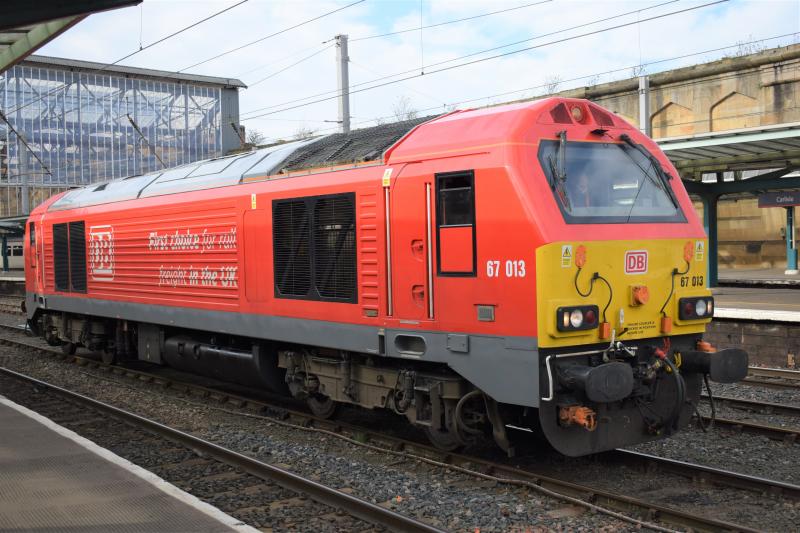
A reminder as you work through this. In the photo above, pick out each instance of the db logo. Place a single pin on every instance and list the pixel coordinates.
(636, 262)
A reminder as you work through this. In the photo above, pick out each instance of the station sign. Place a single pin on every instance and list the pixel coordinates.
(779, 199)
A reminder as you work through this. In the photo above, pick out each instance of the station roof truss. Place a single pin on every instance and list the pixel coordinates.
(26, 26)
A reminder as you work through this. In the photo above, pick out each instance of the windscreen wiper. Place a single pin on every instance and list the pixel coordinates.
(662, 174)
(558, 170)
(660, 182)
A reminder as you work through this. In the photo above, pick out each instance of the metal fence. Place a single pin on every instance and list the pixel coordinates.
(77, 129)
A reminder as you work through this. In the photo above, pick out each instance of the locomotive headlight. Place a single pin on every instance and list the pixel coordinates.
(576, 318)
(695, 308)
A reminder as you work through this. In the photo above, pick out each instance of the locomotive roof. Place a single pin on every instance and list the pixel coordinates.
(367, 144)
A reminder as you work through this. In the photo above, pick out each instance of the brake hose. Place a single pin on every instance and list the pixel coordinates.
(680, 390)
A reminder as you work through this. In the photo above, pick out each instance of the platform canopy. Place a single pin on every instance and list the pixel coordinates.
(27, 25)
(743, 149)
(703, 159)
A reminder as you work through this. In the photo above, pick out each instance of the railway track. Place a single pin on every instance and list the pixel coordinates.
(778, 378)
(190, 463)
(487, 469)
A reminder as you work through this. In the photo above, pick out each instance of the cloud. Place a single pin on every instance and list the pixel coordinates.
(108, 36)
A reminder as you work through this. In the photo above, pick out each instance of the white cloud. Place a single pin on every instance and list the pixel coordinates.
(108, 36)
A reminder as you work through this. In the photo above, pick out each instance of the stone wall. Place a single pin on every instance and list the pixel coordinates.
(731, 93)
(771, 344)
(760, 89)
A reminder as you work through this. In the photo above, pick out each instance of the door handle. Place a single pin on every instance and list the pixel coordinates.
(418, 294)
(418, 249)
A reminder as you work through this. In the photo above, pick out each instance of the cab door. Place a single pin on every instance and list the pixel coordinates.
(411, 233)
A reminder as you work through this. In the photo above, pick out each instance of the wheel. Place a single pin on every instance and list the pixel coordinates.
(51, 339)
(447, 441)
(322, 406)
(109, 357)
(69, 348)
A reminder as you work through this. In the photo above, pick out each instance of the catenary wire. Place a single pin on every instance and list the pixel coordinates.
(497, 56)
(285, 58)
(171, 35)
(445, 23)
(583, 77)
(141, 49)
(284, 69)
(271, 35)
(570, 28)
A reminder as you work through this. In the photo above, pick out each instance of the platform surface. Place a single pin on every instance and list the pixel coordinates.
(765, 277)
(52, 480)
(757, 303)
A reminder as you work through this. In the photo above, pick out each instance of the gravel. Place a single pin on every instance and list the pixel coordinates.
(449, 500)
(460, 502)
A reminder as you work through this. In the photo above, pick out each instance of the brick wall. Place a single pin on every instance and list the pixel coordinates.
(769, 344)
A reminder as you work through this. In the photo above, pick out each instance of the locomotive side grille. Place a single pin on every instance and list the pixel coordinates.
(61, 256)
(335, 247)
(291, 250)
(77, 256)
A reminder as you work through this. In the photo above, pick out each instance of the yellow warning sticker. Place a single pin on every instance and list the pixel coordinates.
(566, 255)
(252, 201)
(699, 250)
(387, 177)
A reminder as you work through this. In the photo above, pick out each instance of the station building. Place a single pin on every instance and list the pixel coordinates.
(69, 123)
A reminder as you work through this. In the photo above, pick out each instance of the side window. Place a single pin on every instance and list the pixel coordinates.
(455, 224)
(314, 248)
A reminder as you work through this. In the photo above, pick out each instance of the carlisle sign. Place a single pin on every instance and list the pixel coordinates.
(779, 199)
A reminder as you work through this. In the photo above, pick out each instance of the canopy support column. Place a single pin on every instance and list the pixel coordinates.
(791, 242)
(710, 224)
(5, 253)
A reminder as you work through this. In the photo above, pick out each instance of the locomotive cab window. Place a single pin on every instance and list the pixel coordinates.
(607, 183)
(455, 224)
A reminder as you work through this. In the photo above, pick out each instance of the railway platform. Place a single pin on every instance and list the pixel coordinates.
(758, 277)
(53, 480)
(774, 304)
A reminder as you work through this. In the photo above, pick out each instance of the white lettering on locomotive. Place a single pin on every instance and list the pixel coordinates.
(101, 253)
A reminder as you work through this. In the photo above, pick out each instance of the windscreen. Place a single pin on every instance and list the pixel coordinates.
(606, 183)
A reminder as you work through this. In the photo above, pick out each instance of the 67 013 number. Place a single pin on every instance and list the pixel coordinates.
(513, 268)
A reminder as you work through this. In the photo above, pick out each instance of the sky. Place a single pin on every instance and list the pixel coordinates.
(558, 57)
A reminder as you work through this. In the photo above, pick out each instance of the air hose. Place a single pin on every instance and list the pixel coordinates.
(680, 393)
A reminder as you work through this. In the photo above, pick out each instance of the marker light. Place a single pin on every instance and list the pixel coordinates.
(577, 113)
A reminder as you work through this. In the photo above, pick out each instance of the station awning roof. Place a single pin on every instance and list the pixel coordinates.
(26, 26)
(744, 149)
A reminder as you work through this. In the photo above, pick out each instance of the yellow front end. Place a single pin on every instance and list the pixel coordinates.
(636, 286)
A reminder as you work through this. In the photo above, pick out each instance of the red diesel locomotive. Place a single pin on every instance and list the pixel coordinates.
(536, 265)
